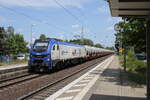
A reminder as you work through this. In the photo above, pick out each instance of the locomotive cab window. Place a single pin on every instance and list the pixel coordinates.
(54, 47)
(57, 47)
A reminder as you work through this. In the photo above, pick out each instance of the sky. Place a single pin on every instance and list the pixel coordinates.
(63, 19)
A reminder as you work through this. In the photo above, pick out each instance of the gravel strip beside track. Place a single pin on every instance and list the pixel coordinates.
(48, 90)
(16, 91)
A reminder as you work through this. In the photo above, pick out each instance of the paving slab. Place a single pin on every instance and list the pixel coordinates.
(104, 82)
(111, 86)
(74, 90)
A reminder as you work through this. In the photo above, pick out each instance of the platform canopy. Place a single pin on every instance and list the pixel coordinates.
(129, 8)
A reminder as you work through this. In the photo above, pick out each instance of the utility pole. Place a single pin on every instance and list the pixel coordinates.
(31, 34)
(82, 34)
(124, 49)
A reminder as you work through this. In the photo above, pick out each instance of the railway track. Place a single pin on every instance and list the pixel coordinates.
(36, 85)
(12, 75)
(49, 89)
(12, 78)
(17, 80)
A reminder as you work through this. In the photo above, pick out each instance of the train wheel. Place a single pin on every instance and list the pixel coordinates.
(30, 70)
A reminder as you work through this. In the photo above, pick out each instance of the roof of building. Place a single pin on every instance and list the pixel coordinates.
(133, 8)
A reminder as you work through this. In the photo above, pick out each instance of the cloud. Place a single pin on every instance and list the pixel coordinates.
(113, 20)
(75, 26)
(103, 9)
(19, 30)
(44, 3)
(110, 28)
(3, 19)
(62, 37)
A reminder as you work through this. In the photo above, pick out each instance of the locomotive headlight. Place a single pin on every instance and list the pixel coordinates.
(48, 59)
(31, 55)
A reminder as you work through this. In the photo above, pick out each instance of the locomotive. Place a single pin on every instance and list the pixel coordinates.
(48, 54)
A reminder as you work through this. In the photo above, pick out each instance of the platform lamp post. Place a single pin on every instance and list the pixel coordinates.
(124, 48)
(118, 28)
(31, 34)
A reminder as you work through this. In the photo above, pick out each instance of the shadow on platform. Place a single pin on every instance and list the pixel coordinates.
(117, 76)
(111, 97)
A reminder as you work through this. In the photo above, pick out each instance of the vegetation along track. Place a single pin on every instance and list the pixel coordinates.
(27, 89)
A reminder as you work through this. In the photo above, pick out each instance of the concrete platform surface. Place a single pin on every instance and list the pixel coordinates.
(112, 86)
(101, 83)
(10, 68)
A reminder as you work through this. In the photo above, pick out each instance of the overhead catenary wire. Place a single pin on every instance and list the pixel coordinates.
(30, 17)
(67, 11)
(61, 5)
(86, 25)
(28, 4)
(71, 14)
(20, 13)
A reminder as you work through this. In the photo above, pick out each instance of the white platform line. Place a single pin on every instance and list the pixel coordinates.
(85, 81)
(59, 92)
(65, 98)
(81, 94)
(88, 77)
(78, 85)
(75, 90)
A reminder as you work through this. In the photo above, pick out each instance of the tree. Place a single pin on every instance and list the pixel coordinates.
(3, 41)
(83, 42)
(98, 45)
(110, 48)
(17, 44)
(11, 43)
(132, 33)
(42, 36)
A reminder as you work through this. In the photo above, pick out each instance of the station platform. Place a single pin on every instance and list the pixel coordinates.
(11, 68)
(104, 82)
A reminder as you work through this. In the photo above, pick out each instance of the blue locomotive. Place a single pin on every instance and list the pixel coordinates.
(51, 53)
(47, 54)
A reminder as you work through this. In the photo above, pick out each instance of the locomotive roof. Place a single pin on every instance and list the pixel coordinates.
(48, 39)
(59, 41)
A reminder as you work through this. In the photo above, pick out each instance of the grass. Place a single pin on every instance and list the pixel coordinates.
(136, 69)
(13, 62)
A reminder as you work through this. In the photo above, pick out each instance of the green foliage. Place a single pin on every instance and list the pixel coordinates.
(12, 43)
(43, 36)
(133, 64)
(136, 69)
(110, 48)
(98, 45)
(132, 33)
(17, 44)
(85, 41)
(3, 40)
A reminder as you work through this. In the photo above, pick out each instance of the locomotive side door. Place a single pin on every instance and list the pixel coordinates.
(55, 52)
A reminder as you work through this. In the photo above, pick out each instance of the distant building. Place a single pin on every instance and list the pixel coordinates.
(10, 31)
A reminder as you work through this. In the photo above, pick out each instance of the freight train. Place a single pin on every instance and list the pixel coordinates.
(48, 54)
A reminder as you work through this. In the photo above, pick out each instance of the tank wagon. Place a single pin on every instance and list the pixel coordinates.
(51, 53)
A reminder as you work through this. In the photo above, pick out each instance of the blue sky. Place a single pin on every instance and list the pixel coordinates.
(54, 21)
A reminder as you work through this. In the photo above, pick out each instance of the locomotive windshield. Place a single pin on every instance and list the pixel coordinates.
(40, 46)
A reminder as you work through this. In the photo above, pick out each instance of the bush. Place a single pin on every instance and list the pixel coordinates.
(133, 64)
(136, 69)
